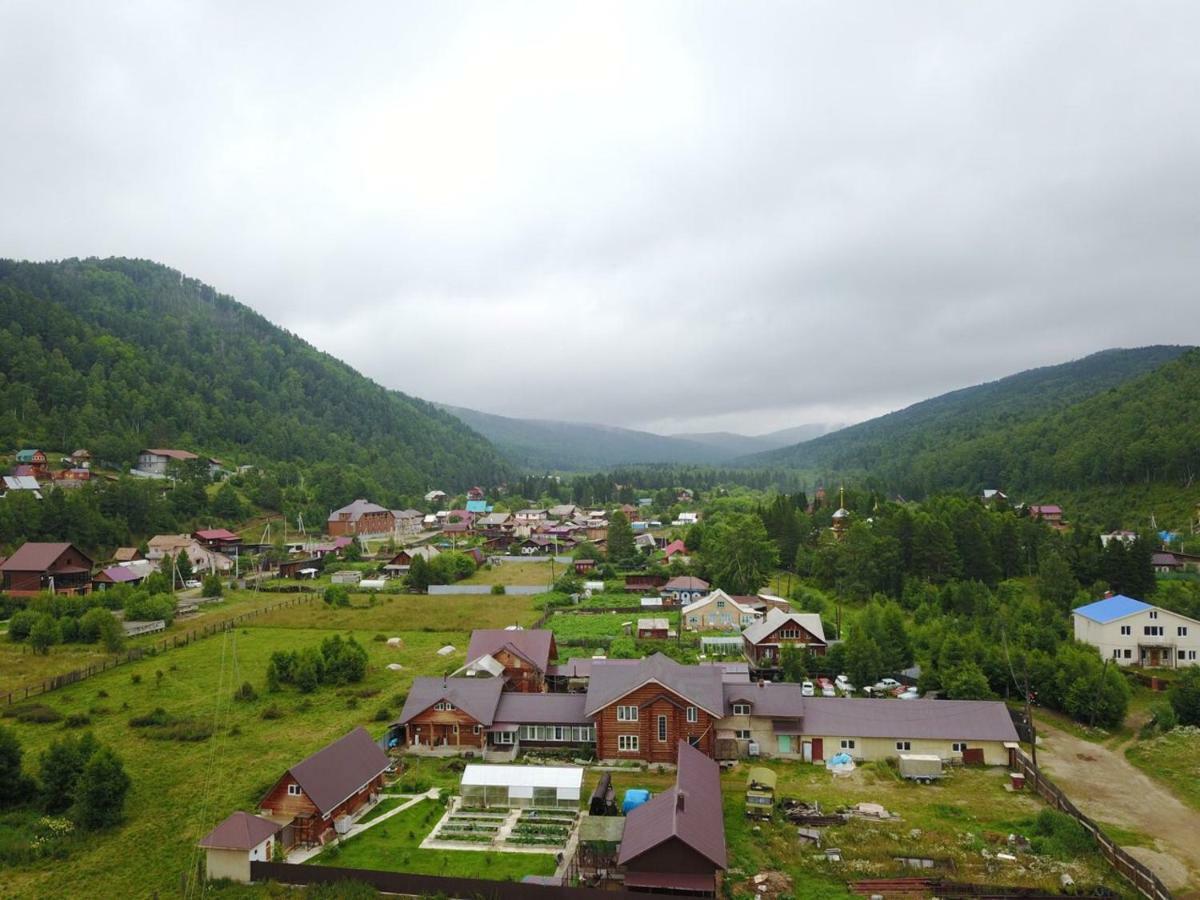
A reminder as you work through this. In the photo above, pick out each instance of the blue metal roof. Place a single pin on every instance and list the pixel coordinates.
(1111, 608)
(478, 506)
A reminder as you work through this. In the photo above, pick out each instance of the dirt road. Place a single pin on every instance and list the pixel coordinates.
(1105, 786)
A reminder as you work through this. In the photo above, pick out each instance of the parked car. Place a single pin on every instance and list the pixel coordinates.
(883, 685)
(191, 583)
(827, 690)
(910, 694)
(806, 689)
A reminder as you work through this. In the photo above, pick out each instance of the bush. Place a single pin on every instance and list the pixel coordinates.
(21, 624)
(383, 714)
(1057, 834)
(212, 586)
(337, 595)
(498, 589)
(272, 712)
(149, 607)
(101, 790)
(44, 634)
(1185, 697)
(98, 624)
(157, 716)
(246, 693)
(33, 714)
(77, 720)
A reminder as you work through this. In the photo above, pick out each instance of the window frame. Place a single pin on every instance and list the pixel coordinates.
(692, 715)
(741, 709)
(627, 713)
(904, 746)
(627, 743)
(661, 729)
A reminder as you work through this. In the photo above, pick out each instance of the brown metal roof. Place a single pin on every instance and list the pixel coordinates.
(951, 720)
(686, 583)
(477, 697)
(700, 685)
(783, 700)
(542, 709)
(689, 812)
(532, 644)
(241, 831)
(33, 556)
(331, 775)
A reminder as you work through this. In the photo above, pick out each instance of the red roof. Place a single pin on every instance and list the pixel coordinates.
(674, 547)
(689, 812)
(216, 534)
(241, 831)
(533, 644)
(331, 775)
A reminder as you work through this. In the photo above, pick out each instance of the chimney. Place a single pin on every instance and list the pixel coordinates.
(1107, 594)
(443, 679)
(680, 800)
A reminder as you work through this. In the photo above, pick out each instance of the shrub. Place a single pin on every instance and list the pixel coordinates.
(352, 703)
(272, 712)
(382, 714)
(135, 678)
(157, 716)
(380, 638)
(44, 634)
(337, 595)
(498, 589)
(101, 790)
(246, 693)
(211, 586)
(1057, 834)
(1185, 697)
(149, 607)
(77, 720)
(33, 714)
(187, 730)
(21, 624)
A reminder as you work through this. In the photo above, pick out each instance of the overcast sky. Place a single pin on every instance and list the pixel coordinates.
(681, 216)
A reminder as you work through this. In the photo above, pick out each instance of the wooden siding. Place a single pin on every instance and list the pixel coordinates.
(436, 728)
(653, 701)
(521, 675)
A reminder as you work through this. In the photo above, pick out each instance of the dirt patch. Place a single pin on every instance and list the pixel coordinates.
(767, 885)
(1107, 787)
(1173, 873)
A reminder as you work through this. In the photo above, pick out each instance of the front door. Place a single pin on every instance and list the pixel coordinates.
(807, 745)
(818, 749)
(785, 743)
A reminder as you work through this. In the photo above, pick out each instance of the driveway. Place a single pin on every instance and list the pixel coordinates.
(1105, 786)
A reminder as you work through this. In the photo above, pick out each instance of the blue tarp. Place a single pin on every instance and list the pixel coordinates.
(634, 797)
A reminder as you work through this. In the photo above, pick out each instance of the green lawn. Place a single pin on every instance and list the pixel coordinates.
(20, 667)
(516, 573)
(567, 625)
(1172, 759)
(393, 614)
(394, 846)
(181, 790)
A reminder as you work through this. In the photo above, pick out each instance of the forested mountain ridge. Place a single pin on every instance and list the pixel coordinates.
(1069, 426)
(552, 445)
(120, 354)
(549, 445)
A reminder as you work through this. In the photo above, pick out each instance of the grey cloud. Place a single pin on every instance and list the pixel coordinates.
(674, 215)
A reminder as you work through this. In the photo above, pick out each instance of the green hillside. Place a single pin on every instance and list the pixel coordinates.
(119, 354)
(1116, 417)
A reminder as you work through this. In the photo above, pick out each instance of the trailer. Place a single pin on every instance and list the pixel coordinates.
(920, 767)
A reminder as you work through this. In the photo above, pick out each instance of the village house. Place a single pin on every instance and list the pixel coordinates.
(81, 458)
(475, 493)
(157, 461)
(35, 459)
(402, 561)
(407, 522)
(718, 612)
(457, 521)
(73, 477)
(780, 722)
(57, 567)
(238, 841)
(1165, 563)
(641, 584)
(686, 518)
(360, 518)
(642, 708)
(1049, 513)
(478, 507)
(563, 511)
(334, 782)
(126, 554)
(220, 539)
(1125, 537)
(992, 496)
(22, 483)
(677, 550)
(529, 516)
(435, 496)
(675, 842)
(133, 572)
(764, 641)
(1133, 633)
(520, 657)
(449, 713)
(683, 589)
(201, 558)
(583, 566)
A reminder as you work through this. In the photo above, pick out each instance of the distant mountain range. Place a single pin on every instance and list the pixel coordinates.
(546, 444)
(1114, 417)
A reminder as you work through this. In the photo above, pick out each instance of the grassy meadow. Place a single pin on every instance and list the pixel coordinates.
(1173, 759)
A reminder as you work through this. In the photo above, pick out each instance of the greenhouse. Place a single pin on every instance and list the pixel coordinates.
(517, 786)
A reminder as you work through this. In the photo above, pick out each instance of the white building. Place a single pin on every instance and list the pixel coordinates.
(718, 612)
(510, 786)
(1133, 633)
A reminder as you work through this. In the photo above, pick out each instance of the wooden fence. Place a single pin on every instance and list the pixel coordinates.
(1138, 874)
(427, 885)
(54, 682)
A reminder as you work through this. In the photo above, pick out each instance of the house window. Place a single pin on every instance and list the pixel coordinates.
(720, 604)
(692, 715)
(627, 743)
(741, 709)
(559, 733)
(1126, 629)
(693, 620)
(789, 634)
(503, 737)
(1154, 613)
(475, 729)
(662, 728)
(443, 706)
(903, 745)
(958, 746)
(1116, 652)
(1152, 630)
(294, 790)
(1191, 655)
(1181, 631)
(742, 734)
(1128, 653)
(848, 744)
(627, 713)
(455, 728)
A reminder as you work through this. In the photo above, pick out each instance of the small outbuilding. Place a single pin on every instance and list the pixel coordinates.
(235, 843)
(518, 786)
